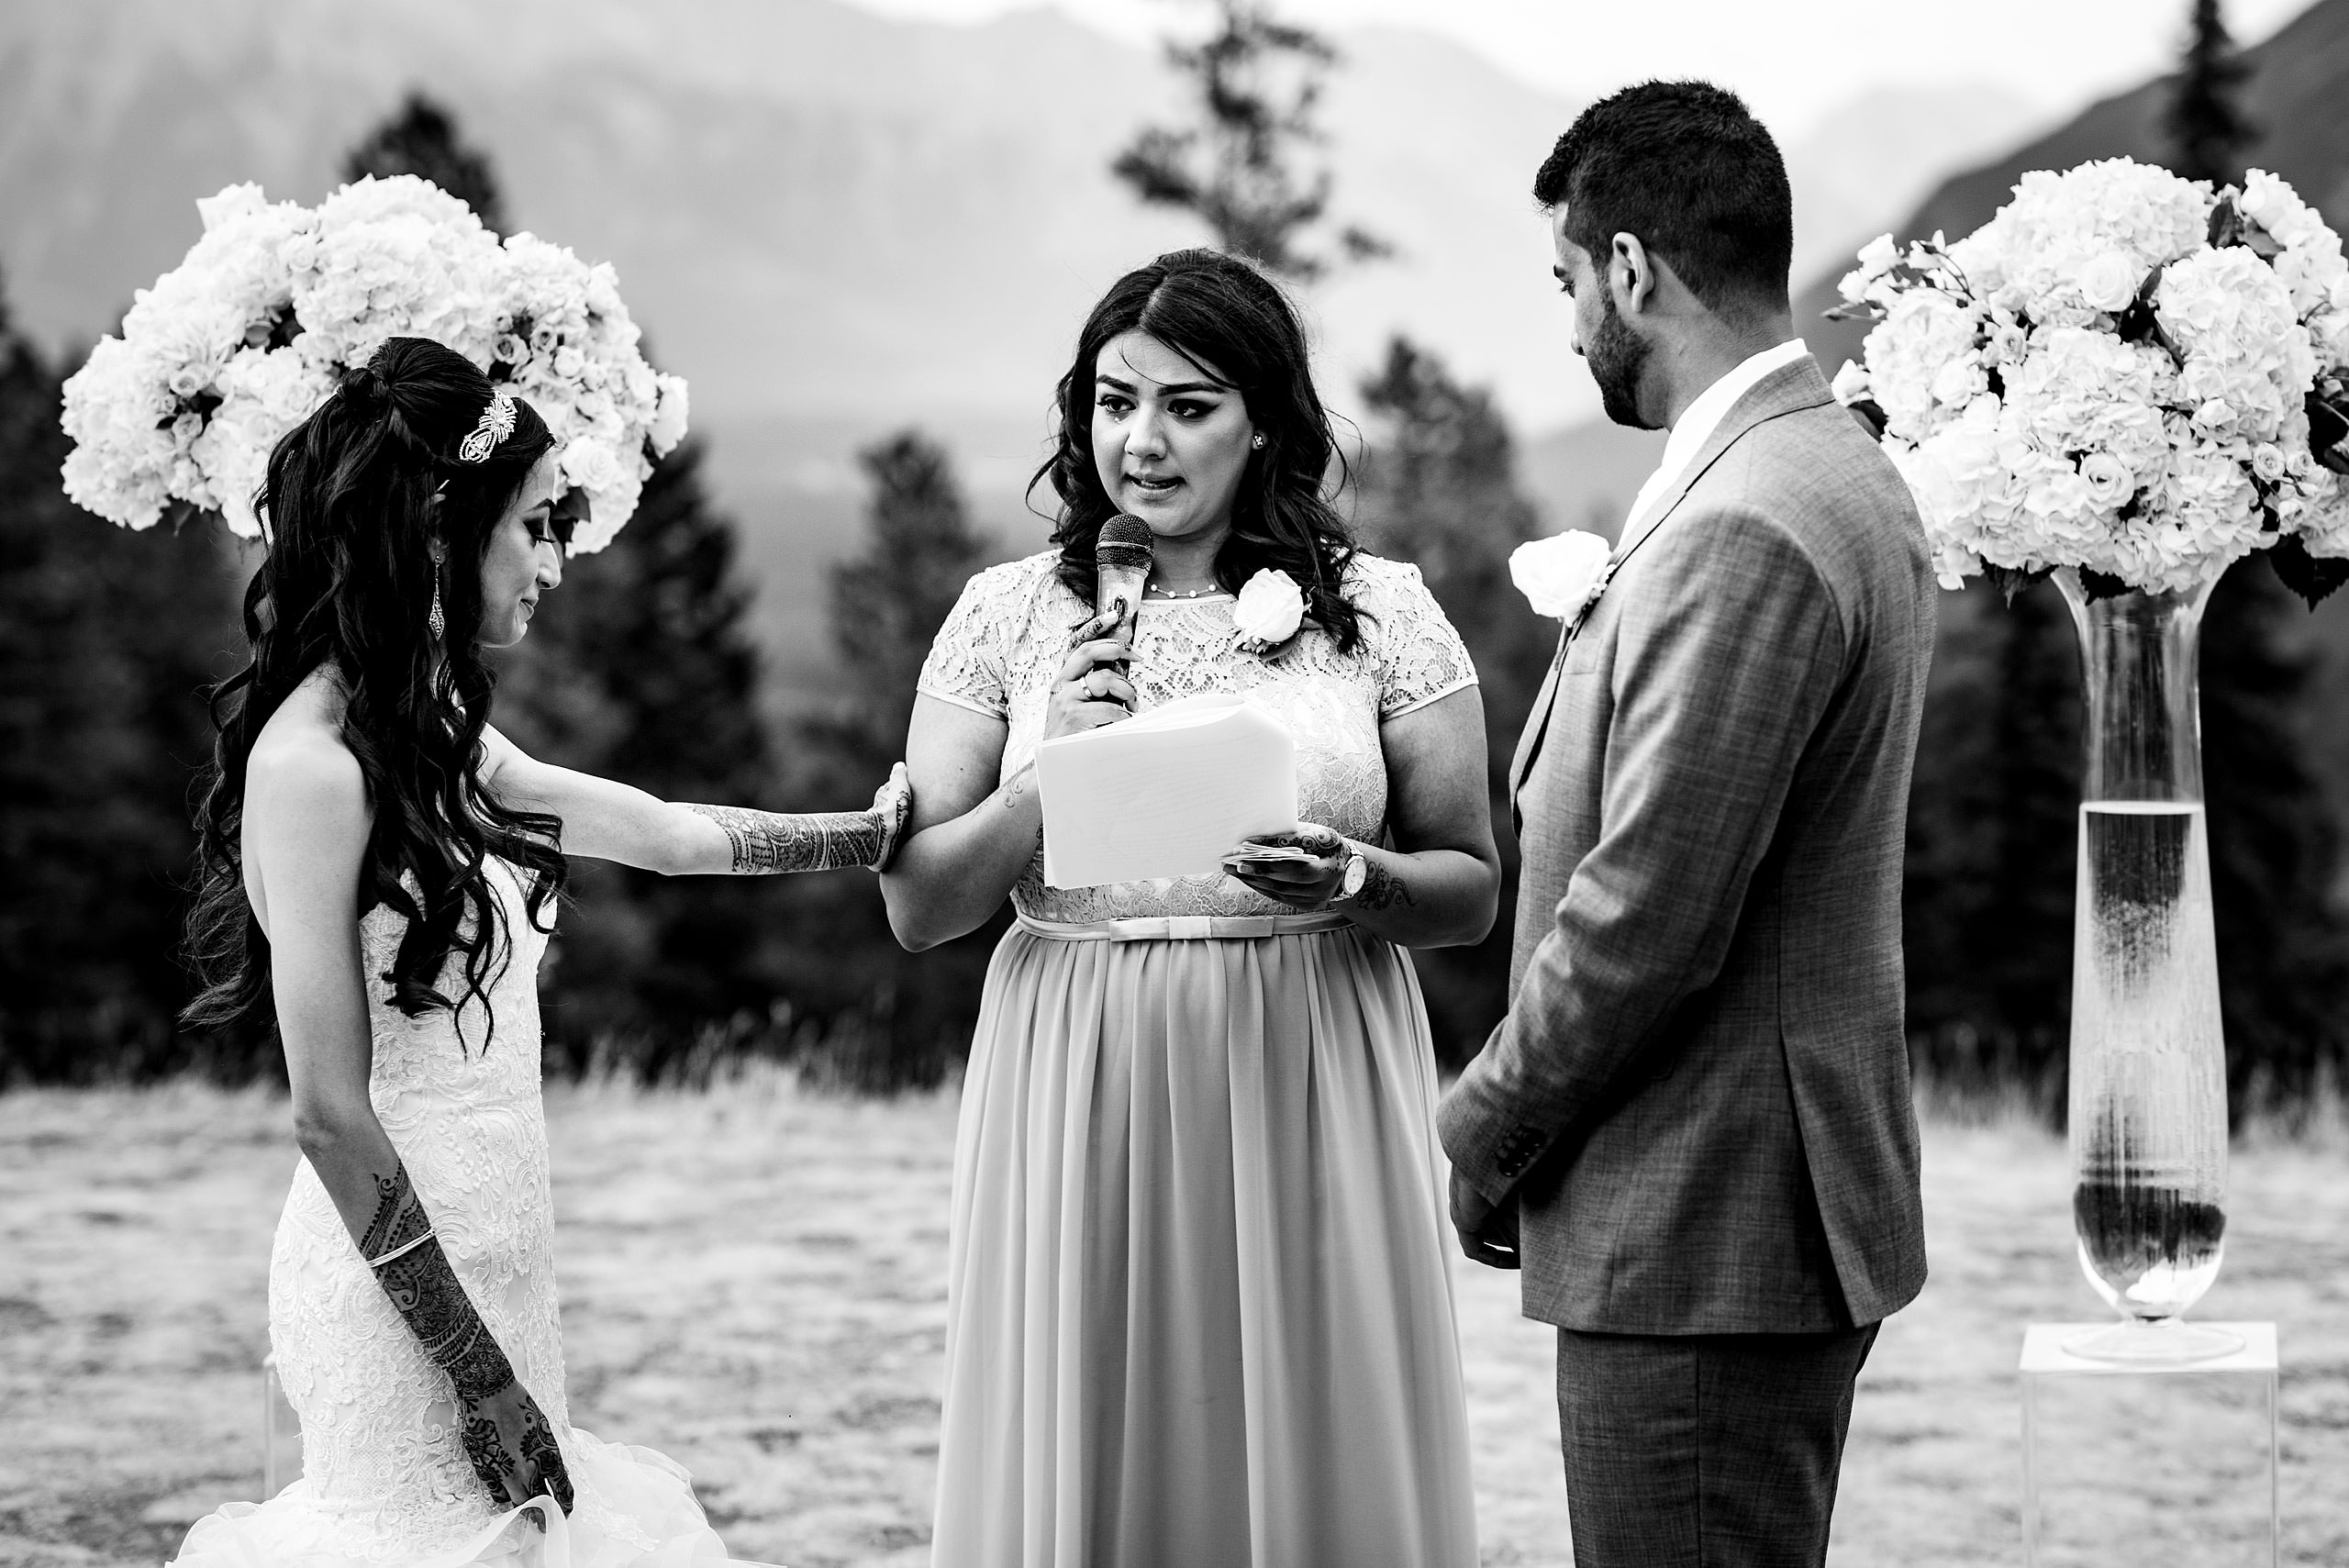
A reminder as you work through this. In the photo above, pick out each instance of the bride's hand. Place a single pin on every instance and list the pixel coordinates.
(1306, 883)
(512, 1447)
(1084, 696)
(893, 803)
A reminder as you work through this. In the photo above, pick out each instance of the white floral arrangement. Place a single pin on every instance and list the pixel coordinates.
(276, 302)
(2123, 372)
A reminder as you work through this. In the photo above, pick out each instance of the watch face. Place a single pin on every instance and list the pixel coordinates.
(1357, 872)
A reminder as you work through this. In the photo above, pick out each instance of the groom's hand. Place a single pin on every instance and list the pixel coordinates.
(1487, 1231)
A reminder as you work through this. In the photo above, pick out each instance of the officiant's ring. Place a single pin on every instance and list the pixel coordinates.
(1103, 689)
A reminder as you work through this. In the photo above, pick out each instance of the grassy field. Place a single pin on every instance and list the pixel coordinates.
(751, 1282)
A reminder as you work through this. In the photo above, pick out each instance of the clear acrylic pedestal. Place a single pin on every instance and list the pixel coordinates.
(2130, 1462)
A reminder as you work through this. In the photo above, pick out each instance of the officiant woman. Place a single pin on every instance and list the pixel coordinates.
(1197, 1307)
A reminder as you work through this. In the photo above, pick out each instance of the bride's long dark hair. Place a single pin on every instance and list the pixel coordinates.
(355, 498)
(1219, 311)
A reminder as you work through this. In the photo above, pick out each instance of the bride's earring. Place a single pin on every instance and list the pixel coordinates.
(1256, 442)
(434, 622)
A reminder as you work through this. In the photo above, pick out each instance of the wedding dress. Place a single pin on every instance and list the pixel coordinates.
(384, 1482)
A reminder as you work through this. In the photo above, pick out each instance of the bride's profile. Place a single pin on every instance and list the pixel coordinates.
(380, 871)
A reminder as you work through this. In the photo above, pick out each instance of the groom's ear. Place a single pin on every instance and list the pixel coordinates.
(1631, 274)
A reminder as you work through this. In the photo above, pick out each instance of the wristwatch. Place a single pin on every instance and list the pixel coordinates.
(1357, 871)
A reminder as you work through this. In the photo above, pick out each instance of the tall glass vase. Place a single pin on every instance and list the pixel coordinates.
(2148, 1081)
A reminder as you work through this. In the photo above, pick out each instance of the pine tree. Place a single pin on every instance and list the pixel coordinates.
(1993, 829)
(1258, 82)
(2207, 125)
(106, 637)
(421, 139)
(1439, 489)
(900, 1019)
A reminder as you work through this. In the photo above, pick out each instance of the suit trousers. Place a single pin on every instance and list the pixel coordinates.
(1705, 1450)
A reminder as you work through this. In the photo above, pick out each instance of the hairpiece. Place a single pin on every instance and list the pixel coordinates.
(497, 424)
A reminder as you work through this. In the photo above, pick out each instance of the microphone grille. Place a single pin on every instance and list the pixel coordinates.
(1125, 540)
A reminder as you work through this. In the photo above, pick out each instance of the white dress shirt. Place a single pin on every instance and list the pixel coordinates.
(1698, 421)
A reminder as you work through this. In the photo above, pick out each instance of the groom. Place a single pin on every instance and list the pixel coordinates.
(1693, 1128)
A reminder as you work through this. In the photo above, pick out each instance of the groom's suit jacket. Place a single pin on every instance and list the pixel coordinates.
(1700, 1094)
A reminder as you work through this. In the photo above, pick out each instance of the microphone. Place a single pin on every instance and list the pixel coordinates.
(1121, 567)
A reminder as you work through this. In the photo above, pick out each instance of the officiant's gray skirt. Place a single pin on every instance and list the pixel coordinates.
(1197, 1308)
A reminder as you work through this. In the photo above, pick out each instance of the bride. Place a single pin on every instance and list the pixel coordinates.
(381, 870)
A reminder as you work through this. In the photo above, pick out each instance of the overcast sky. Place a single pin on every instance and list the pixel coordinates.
(1793, 59)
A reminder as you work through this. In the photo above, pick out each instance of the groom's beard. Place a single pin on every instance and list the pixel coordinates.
(1616, 355)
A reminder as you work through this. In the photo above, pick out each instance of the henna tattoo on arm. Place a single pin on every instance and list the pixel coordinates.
(1014, 787)
(399, 1220)
(768, 843)
(1380, 889)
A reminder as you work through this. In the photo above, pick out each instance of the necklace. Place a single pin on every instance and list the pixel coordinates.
(1164, 592)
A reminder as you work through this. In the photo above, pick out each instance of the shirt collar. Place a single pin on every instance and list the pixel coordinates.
(1702, 416)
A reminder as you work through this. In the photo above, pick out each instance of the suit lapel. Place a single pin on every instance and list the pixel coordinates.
(1787, 390)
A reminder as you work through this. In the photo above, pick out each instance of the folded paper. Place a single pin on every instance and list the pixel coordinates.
(1167, 793)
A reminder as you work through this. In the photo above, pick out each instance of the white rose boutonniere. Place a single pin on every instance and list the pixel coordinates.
(1562, 576)
(1268, 612)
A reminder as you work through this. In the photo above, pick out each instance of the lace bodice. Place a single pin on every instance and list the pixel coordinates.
(999, 649)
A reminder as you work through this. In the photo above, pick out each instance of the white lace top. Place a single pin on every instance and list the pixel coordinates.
(999, 651)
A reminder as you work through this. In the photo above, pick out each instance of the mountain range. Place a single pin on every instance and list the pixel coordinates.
(837, 224)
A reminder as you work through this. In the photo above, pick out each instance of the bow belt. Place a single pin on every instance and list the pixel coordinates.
(1181, 928)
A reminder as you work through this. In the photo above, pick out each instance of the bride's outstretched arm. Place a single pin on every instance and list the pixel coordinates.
(307, 823)
(606, 820)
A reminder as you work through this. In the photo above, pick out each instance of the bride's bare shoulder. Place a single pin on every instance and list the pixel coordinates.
(300, 761)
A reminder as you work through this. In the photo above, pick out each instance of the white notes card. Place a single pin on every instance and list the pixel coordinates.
(1166, 793)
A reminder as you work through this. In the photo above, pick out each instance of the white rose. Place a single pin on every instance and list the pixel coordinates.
(1269, 609)
(2109, 281)
(2267, 463)
(2110, 482)
(1561, 575)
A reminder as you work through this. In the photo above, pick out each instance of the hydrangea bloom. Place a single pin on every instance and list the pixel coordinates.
(275, 302)
(2114, 374)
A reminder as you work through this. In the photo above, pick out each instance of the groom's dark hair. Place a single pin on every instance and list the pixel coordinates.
(1687, 167)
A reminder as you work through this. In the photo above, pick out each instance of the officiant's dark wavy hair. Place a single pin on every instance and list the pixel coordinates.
(1687, 167)
(354, 496)
(1235, 325)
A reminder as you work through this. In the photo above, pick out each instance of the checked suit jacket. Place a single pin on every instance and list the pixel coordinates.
(1699, 1097)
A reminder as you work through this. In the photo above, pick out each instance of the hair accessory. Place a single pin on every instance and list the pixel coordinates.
(497, 424)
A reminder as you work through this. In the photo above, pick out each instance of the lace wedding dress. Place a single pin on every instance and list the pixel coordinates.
(384, 1482)
(1197, 1301)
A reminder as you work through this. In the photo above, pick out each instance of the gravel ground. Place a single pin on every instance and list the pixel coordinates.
(751, 1283)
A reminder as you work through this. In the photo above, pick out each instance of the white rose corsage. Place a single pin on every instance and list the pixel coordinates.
(1561, 577)
(1268, 612)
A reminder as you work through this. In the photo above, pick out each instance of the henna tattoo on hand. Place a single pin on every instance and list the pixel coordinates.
(539, 1449)
(486, 1450)
(767, 844)
(1382, 889)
